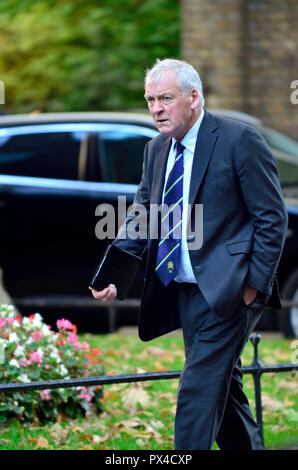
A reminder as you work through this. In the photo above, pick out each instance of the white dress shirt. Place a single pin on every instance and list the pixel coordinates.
(189, 142)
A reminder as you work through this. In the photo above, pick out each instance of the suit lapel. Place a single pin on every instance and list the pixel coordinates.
(204, 146)
(160, 165)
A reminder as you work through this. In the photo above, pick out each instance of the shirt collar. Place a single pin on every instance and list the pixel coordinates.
(189, 140)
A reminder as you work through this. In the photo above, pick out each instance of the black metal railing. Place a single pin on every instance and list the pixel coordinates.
(256, 369)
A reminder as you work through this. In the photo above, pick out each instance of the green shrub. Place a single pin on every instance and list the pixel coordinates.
(30, 351)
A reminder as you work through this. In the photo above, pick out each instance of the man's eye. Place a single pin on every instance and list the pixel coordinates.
(167, 99)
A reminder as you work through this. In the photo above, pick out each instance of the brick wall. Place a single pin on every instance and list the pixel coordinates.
(247, 54)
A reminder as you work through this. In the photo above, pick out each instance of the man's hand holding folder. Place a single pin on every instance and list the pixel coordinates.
(106, 295)
(115, 274)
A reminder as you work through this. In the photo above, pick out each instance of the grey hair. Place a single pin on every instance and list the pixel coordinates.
(187, 76)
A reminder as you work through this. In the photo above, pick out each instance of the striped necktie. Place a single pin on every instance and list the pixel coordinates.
(168, 253)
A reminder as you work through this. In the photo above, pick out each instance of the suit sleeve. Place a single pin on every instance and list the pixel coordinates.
(260, 186)
(133, 234)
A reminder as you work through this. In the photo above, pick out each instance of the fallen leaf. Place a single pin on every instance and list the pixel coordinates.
(154, 351)
(97, 439)
(4, 441)
(271, 404)
(156, 424)
(42, 443)
(58, 434)
(159, 367)
(131, 423)
(76, 429)
(169, 396)
(288, 402)
(135, 396)
(287, 385)
(86, 437)
(111, 395)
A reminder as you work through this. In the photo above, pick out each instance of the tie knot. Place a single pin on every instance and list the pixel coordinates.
(179, 147)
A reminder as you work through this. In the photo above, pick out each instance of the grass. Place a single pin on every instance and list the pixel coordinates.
(141, 415)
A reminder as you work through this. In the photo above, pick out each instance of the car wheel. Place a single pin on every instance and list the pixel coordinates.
(289, 316)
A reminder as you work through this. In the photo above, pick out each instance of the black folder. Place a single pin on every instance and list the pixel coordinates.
(118, 267)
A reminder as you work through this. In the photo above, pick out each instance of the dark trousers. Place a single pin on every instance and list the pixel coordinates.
(211, 403)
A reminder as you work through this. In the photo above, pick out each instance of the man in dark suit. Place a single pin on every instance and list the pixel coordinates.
(215, 289)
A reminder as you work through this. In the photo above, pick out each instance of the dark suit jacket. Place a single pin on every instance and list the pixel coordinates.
(234, 176)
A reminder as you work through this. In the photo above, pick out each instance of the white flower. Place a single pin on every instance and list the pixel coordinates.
(45, 330)
(54, 354)
(19, 351)
(62, 370)
(29, 340)
(68, 354)
(26, 321)
(23, 378)
(14, 362)
(16, 324)
(3, 343)
(37, 320)
(40, 352)
(57, 358)
(13, 338)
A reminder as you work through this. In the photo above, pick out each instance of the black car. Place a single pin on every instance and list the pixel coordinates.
(55, 170)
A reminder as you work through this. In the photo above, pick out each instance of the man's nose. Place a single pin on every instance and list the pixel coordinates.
(157, 106)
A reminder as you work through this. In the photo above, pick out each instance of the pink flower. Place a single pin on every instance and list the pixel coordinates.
(35, 357)
(73, 339)
(45, 395)
(47, 366)
(36, 335)
(65, 325)
(86, 345)
(24, 362)
(85, 395)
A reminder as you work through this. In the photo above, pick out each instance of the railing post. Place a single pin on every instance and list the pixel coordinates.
(255, 339)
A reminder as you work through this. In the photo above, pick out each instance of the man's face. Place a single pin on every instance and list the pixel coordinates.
(172, 112)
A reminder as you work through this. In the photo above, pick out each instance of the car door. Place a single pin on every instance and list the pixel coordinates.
(120, 156)
(46, 223)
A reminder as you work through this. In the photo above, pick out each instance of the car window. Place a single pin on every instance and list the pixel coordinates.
(281, 142)
(122, 149)
(40, 154)
(288, 171)
(285, 151)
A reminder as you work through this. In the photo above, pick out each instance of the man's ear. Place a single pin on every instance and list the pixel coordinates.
(196, 99)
